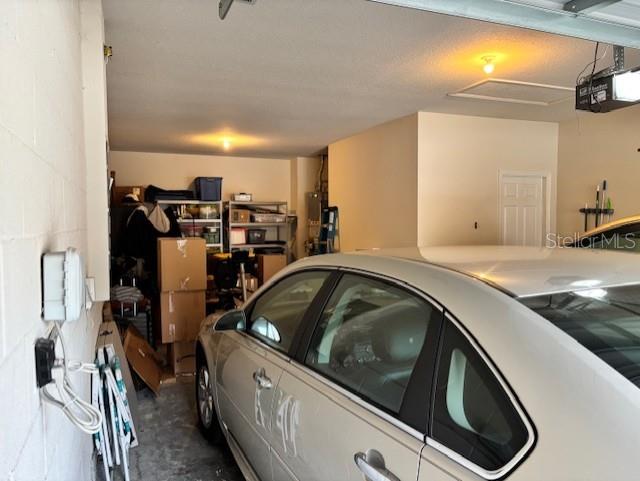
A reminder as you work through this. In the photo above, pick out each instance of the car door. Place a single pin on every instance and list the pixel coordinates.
(477, 428)
(350, 407)
(250, 363)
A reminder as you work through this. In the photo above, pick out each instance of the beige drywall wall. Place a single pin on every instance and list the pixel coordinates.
(459, 159)
(373, 182)
(266, 179)
(46, 48)
(594, 147)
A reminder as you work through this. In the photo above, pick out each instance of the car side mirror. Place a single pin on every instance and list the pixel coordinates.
(232, 321)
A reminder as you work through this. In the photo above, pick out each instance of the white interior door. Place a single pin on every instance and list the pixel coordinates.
(521, 210)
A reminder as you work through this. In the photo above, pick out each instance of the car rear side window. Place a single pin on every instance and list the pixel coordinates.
(472, 414)
(277, 314)
(369, 338)
(606, 321)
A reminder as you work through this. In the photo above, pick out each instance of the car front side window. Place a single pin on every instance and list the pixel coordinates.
(369, 338)
(472, 414)
(277, 314)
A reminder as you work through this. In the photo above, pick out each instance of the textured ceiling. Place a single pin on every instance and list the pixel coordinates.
(288, 77)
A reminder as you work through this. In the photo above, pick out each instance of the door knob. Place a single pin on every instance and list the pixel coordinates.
(373, 467)
(261, 379)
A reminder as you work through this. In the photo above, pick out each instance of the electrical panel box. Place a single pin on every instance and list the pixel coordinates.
(314, 207)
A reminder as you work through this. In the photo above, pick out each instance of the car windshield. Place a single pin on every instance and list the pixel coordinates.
(604, 320)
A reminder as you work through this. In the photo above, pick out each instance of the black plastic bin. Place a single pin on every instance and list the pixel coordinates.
(256, 236)
(208, 188)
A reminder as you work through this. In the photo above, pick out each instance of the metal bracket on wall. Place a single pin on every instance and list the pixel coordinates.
(618, 63)
(580, 5)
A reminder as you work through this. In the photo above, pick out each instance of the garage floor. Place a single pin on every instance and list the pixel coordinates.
(171, 447)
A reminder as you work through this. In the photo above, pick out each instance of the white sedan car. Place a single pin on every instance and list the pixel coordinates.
(433, 364)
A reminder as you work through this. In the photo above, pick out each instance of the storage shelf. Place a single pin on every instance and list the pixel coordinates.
(257, 202)
(192, 202)
(258, 224)
(199, 221)
(256, 246)
(219, 246)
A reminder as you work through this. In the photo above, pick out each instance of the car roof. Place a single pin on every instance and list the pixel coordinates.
(525, 271)
(609, 226)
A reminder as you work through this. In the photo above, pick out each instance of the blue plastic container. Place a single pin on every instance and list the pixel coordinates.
(208, 188)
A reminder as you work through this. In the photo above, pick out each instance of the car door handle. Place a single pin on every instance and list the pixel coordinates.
(261, 379)
(373, 467)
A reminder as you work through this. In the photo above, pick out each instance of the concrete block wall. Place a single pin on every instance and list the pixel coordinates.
(42, 208)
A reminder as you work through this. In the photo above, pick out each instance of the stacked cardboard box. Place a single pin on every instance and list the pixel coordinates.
(269, 265)
(182, 277)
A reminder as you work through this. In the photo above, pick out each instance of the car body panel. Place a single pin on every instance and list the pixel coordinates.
(437, 466)
(526, 271)
(245, 408)
(586, 415)
(318, 430)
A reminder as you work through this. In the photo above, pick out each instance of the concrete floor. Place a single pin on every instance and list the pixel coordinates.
(171, 447)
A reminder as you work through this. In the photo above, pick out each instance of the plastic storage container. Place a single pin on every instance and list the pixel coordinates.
(211, 235)
(269, 218)
(208, 188)
(209, 212)
(256, 236)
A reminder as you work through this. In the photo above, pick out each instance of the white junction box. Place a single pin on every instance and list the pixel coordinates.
(63, 288)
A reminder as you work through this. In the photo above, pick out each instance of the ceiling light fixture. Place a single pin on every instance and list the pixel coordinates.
(488, 66)
(224, 139)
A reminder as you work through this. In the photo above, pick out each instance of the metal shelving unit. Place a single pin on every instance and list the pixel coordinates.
(181, 209)
(279, 230)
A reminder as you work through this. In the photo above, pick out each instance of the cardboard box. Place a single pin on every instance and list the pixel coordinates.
(182, 356)
(269, 265)
(240, 215)
(143, 359)
(181, 314)
(182, 264)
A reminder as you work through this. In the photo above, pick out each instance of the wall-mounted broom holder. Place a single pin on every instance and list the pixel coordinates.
(598, 215)
(592, 210)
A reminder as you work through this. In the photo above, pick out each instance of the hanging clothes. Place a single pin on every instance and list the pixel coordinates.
(142, 232)
(174, 230)
(140, 237)
(159, 219)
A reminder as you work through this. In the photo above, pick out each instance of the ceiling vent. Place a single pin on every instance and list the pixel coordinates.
(517, 92)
